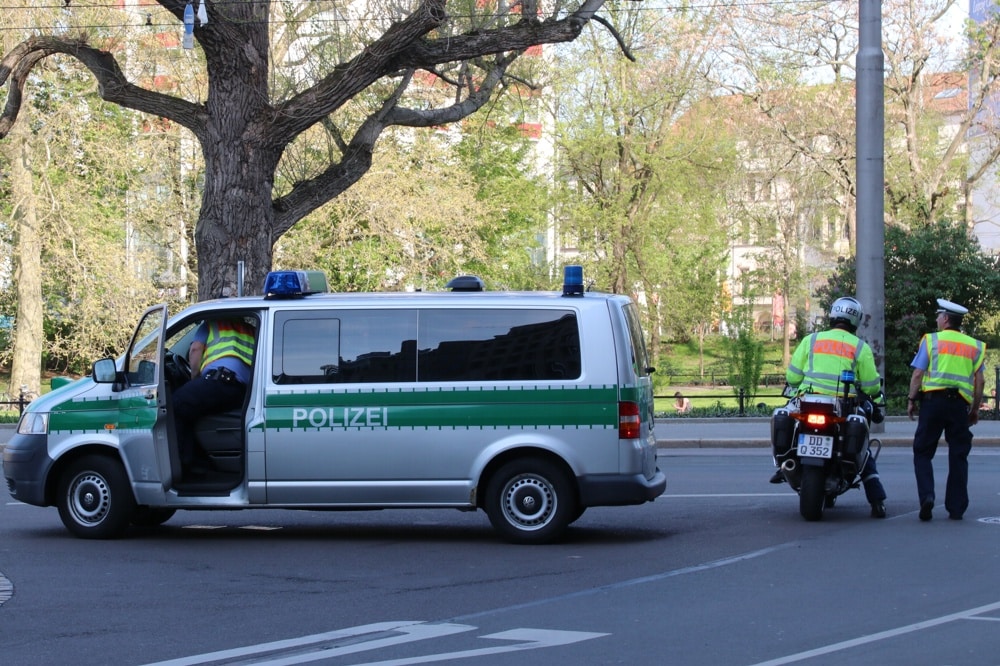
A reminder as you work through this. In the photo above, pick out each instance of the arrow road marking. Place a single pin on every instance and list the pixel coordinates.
(533, 639)
(383, 634)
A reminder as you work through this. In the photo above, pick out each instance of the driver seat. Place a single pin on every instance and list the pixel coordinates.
(221, 437)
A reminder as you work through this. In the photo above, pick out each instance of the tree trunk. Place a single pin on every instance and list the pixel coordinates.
(235, 224)
(236, 221)
(28, 333)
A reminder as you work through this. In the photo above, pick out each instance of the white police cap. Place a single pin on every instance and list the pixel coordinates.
(951, 308)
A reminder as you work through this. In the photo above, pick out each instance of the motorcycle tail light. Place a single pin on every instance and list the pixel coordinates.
(816, 419)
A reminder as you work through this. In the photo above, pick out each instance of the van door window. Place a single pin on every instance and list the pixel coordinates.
(143, 358)
(498, 345)
(345, 346)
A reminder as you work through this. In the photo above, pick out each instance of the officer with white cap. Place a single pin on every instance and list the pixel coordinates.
(947, 381)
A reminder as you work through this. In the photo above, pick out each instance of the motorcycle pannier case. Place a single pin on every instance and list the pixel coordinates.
(855, 432)
(782, 428)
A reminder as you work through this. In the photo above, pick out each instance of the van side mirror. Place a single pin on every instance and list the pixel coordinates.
(104, 371)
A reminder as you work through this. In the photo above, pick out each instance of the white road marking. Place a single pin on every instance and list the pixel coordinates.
(882, 635)
(383, 634)
(532, 639)
(786, 494)
(601, 589)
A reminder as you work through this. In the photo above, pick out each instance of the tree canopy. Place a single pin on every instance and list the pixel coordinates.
(940, 260)
(392, 71)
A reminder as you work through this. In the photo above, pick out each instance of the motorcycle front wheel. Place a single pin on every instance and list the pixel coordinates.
(812, 494)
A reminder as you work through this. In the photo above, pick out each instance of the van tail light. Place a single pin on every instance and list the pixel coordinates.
(629, 423)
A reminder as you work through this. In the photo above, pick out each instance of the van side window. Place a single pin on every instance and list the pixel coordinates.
(640, 358)
(498, 345)
(467, 345)
(345, 346)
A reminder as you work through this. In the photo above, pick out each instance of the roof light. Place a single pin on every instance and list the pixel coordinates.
(573, 281)
(466, 283)
(293, 284)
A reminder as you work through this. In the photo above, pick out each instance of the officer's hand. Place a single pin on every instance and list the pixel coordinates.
(911, 409)
(974, 417)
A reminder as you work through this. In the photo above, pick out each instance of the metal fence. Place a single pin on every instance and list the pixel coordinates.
(8, 402)
(989, 409)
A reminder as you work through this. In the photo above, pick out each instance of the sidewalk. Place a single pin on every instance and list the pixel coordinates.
(681, 433)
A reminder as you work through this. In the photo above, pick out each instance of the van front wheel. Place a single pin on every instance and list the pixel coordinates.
(530, 501)
(95, 500)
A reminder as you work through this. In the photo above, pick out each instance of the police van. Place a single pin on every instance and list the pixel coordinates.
(531, 406)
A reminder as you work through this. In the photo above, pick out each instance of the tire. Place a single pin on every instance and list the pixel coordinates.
(147, 516)
(95, 498)
(812, 494)
(531, 501)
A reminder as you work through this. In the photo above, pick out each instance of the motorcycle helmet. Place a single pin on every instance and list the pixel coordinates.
(847, 310)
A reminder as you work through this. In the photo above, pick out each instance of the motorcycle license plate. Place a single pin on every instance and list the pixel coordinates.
(815, 446)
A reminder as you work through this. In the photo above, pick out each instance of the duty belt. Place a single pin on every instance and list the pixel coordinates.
(942, 394)
(224, 375)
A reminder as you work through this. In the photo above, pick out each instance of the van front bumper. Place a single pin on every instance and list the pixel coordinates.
(620, 490)
(26, 464)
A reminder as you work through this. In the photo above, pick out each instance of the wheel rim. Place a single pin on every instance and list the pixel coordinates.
(529, 502)
(89, 498)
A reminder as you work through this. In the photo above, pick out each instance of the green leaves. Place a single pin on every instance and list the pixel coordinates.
(939, 260)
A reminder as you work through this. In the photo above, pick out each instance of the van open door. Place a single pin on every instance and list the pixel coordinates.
(144, 373)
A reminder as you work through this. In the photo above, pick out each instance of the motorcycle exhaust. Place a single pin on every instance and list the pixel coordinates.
(790, 470)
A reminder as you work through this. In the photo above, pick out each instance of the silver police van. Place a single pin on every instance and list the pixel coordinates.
(531, 406)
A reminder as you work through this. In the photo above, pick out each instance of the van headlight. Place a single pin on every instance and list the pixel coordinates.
(33, 423)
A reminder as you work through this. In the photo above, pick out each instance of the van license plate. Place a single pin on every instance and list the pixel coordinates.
(815, 446)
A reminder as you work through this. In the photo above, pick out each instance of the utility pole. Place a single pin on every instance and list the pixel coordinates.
(870, 179)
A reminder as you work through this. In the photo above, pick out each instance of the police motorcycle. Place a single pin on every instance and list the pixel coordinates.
(822, 444)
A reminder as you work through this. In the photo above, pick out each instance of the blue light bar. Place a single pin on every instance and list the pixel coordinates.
(293, 284)
(573, 281)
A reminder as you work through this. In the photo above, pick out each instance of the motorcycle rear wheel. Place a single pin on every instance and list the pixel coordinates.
(812, 494)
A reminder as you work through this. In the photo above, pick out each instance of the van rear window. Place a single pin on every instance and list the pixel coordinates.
(432, 345)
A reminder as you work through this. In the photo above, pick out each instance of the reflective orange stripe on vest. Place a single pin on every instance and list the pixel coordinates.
(835, 348)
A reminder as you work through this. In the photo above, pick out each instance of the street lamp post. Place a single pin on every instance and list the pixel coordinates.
(870, 179)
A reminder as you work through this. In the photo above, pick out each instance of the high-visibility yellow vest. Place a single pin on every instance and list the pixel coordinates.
(954, 359)
(228, 338)
(820, 358)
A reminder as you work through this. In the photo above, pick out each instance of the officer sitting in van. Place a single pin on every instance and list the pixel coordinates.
(220, 355)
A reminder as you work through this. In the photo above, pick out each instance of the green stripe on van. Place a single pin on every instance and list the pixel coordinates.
(123, 412)
(446, 408)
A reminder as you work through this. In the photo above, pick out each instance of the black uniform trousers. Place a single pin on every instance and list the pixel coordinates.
(947, 412)
(195, 399)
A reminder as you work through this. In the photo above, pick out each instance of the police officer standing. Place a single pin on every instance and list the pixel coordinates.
(947, 382)
(816, 367)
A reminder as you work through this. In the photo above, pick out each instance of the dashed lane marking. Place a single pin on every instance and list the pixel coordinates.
(969, 614)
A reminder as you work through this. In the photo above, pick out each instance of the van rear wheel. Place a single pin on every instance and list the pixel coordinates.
(530, 501)
(95, 500)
